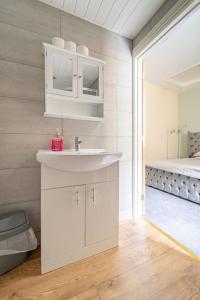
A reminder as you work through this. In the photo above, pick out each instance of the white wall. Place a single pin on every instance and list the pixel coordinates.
(189, 115)
(161, 117)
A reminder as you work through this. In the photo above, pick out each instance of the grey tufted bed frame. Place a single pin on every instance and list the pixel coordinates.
(177, 184)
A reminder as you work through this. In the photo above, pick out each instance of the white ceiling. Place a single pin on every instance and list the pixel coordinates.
(188, 77)
(174, 61)
(126, 17)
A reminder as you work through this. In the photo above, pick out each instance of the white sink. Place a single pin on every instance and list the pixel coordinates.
(80, 161)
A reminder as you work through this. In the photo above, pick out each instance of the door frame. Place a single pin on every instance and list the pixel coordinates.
(180, 10)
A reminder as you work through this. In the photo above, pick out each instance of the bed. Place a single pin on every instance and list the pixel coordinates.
(180, 177)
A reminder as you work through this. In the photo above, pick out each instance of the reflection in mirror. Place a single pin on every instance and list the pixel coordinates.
(62, 73)
(90, 80)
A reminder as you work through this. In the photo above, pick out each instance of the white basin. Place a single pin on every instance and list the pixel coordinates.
(80, 161)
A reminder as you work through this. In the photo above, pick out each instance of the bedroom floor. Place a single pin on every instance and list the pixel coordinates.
(177, 217)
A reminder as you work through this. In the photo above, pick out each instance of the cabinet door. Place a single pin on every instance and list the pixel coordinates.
(61, 73)
(90, 79)
(101, 212)
(62, 226)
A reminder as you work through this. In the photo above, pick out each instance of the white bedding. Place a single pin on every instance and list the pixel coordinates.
(186, 166)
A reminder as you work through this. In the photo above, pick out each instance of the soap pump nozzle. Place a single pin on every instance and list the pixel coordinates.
(58, 133)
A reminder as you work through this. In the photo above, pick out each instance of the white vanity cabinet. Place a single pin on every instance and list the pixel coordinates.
(74, 85)
(63, 225)
(77, 222)
(101, 212)
(79, 213)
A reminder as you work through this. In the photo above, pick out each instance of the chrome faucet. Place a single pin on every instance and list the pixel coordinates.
(77, 143)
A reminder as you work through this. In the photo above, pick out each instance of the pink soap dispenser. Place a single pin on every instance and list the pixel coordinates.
(57, 142)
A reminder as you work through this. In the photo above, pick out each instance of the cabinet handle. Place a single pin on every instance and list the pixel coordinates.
(74, 75)
(77, 198)
(79, 76)
(93, 195)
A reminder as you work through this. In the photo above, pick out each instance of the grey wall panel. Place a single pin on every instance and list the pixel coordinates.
(22, 81)
(21, 46)
(19, 150)
(22, 184)
(25, 116)
(24, 25)
(31, 15)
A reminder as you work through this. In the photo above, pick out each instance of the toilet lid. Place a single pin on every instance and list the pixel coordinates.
(11, 221)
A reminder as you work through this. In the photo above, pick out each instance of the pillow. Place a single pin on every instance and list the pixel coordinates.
(196, 154)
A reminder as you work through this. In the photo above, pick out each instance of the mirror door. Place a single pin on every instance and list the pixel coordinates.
(61, 73)
(90, 79)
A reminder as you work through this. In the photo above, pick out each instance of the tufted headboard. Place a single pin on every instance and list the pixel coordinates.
(193, 143)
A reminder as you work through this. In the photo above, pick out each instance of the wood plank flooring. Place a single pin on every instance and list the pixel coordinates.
(146, 265)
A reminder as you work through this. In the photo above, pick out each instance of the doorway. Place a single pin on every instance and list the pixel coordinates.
(162, 129)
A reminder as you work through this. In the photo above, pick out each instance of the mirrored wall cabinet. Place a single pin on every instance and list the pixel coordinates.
(74, 85)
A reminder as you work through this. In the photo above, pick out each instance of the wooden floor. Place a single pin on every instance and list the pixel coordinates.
(146, 265)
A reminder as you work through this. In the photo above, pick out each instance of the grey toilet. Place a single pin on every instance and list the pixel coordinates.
(16, 239)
